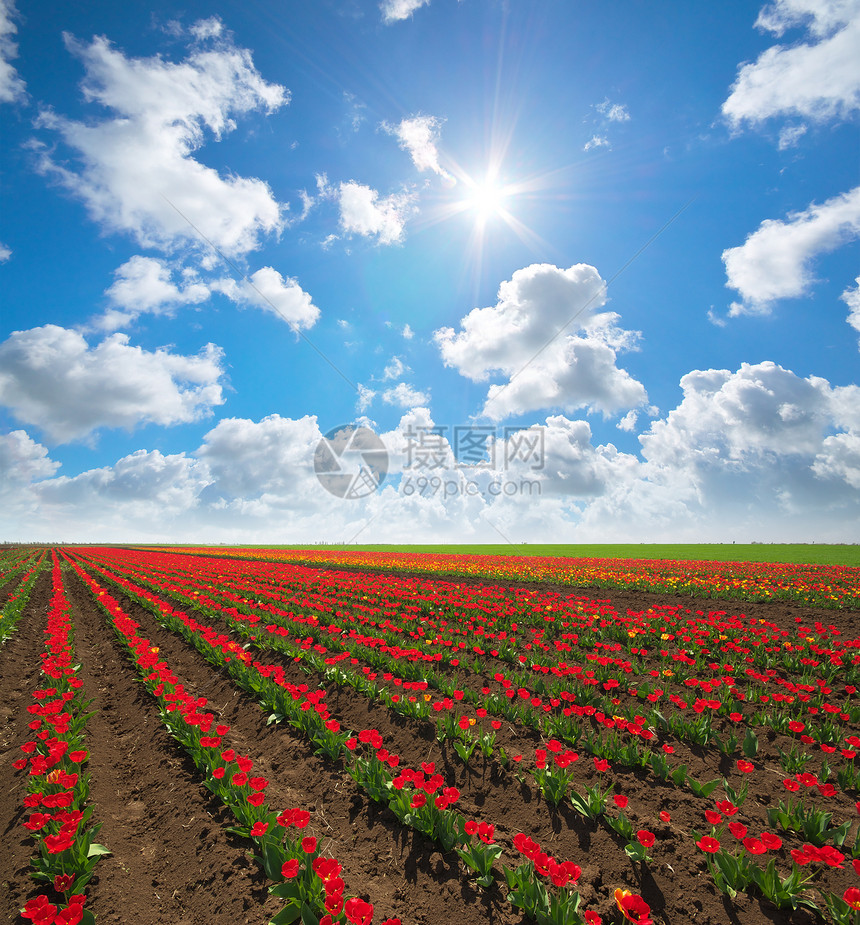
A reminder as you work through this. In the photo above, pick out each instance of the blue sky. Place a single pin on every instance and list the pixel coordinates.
(617, 251)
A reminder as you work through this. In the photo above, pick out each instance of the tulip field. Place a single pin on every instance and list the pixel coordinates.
(249, 735)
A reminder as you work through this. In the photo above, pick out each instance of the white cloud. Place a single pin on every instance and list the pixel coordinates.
(851, 297)
(269, 461)
(404, 396)
(308, 203)
(756, 454)
(145, 284)
(395, 369)
(773, 262)
(154, 484)
(407, 332)
(523, 336)
(207, 28)
(324, 188)
(730, 417)
(12, 88)
(596, 141)
(839, 459)
(614, 112)
(790, 135)
(410, 442)
(23, 461)
(365, 398)
(268, 290)
(821, 17)
(355, 110)
(419, 136)
(23, 465)
(136, 171)
(363, 212)
(758, 444)
(395, 10)
(5, 252)
(52, 378)
(564, 461)
(818, 81)
(628, 422)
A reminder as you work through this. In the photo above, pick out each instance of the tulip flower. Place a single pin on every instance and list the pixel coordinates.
(633, 907)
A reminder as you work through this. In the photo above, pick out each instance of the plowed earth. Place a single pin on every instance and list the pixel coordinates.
(173, 863)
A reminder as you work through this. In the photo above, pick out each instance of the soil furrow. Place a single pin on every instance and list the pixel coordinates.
(19, 676)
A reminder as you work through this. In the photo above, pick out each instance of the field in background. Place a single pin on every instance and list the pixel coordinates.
(795, 553)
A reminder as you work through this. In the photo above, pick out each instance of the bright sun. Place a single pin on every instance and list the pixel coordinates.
(486, 197)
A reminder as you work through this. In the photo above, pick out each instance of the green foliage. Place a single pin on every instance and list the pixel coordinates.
(812, 824)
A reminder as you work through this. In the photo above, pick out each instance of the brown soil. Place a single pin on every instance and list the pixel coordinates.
(173, 862)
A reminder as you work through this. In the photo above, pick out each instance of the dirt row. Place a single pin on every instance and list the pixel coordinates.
(19, 676)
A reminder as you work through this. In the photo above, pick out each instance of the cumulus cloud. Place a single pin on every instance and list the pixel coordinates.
(268, 290)
(24, 465)
(405, 396)
(821, 17)
(52, 378)
(522, 337)
(365, 398)
(851, 297)
(564, 460)
(5, 252)
(396, 10)
(614, 112)
(760, 409)
(12, 88)
(760, 443)
(790, 136)
(395, 369)
(258, 462)
(755, 454)
(758, 453)
(596, 141)
(145, 285)
(774, 261)
(136, 172)
(417, 444)
(628, 422)
(23, 461)
(760, 448)
(207, 28)
(839, 459)
(817, 80)
(363, 212)
(419, 136)
(152, 482)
